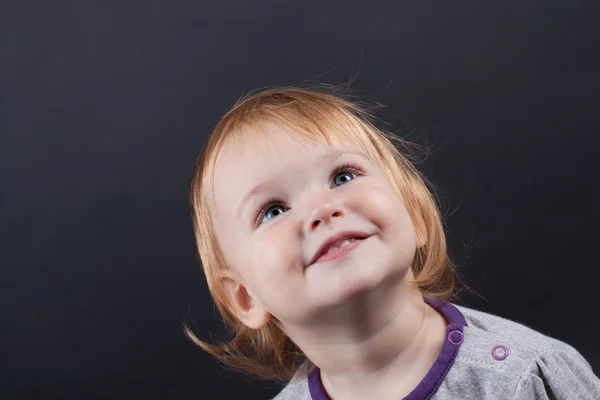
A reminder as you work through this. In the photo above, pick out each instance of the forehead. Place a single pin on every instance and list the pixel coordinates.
(254, 151)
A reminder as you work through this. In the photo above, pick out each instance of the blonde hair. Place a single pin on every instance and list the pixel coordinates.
(315, 114)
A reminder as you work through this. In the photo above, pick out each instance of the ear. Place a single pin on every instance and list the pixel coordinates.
(243, 305)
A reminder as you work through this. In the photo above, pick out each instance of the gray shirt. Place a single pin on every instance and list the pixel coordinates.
(487, 357)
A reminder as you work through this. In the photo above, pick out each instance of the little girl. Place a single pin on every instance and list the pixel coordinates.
(325, 254)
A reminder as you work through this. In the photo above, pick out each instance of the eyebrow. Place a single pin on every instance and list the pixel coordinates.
(266, 184)
(253, 192)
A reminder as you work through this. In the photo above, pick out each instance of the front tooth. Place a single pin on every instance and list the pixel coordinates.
(332, 248)
(343, 243)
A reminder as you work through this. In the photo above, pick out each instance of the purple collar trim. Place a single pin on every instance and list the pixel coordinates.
(432, 381)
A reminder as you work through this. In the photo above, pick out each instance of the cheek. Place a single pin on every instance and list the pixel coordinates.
(382, 201)
(277, 251)
(385, 208)
(276, 275)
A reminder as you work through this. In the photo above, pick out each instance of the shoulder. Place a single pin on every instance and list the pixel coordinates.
(485, 330)
(296, 388)
(499, 355)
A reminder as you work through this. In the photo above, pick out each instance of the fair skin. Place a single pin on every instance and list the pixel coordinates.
(332, 310)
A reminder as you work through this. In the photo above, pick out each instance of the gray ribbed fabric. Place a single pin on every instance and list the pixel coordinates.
(530, 366)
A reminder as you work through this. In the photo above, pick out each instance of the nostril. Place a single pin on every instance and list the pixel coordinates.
(325, 218)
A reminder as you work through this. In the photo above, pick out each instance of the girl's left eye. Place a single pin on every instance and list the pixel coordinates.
(343, 177)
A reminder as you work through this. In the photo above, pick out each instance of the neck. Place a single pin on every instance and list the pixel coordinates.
(364, 344)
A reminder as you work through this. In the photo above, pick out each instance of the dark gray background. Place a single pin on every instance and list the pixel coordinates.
(104, 106)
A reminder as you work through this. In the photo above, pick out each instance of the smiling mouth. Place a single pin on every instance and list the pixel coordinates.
(336, 252)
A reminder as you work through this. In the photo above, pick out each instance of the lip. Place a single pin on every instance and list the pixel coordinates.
(336, 238)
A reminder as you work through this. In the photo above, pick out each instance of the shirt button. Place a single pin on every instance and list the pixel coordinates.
(500, 353)
(456, 337)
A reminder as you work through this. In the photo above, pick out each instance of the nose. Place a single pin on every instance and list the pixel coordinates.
(323, 211)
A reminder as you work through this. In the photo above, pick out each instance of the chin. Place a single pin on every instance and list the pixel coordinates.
(349, 283)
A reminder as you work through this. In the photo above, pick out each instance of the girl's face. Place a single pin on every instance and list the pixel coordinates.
(278, 202)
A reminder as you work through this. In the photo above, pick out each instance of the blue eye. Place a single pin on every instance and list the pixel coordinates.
(343, 177)
(272, 212)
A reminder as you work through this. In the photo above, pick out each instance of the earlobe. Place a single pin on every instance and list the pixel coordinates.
(244, 306)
